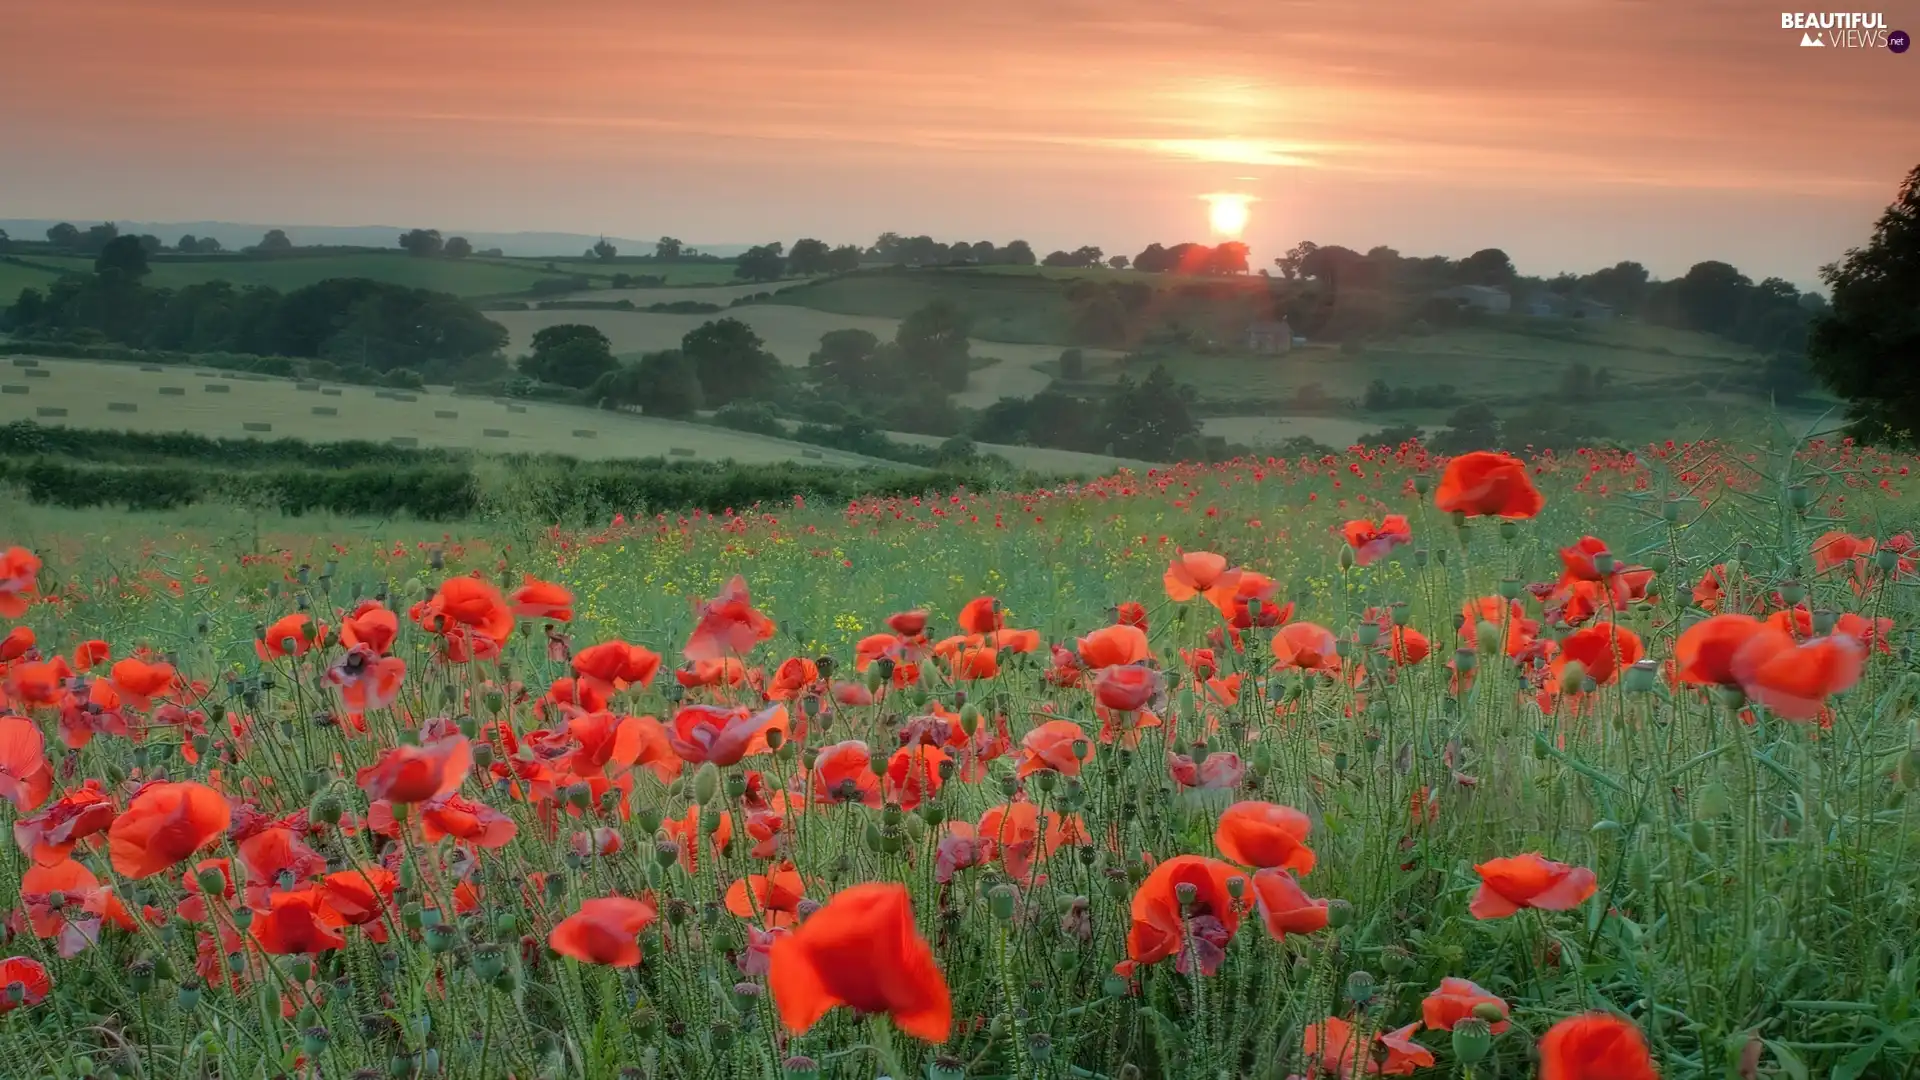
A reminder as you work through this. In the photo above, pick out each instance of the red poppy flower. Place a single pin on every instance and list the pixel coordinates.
(1161, 926)
(1128, 688)
(536, 599)
(1837, 548)
(366, 680)
(372, 625)
(1704, 654)
(1051, 746)
(981, 615)
(463, 819)
(701, 733)
(1130, 613)
(1111, 646)
(843, 772)
(467, 602)
(1488, 484)
(19, 581)
(164, 824)
(862, 951)
(1529, 881)
(29, 975)
(1305, 646)
(795, 676)
(297, 923)
(65, 903)
(412, 774)
(615, 665)
(728, 625)
(1455, 1000)
(1595, 1046)
(604, 931)
(1284, 906)
(138, 682)
(972, 664)
(1792, 678)
(25, 780)
(1221, 771)
(290, 635)
(1199, 572)
(277, 858)
(1371, 542)
(908, 624)
(913, 774)
(1336, 1044)
(1266, 835)
(1021, 834)
(49, 836)
(360, 896)
(86, 656)
(1603, 650)
(774, 900)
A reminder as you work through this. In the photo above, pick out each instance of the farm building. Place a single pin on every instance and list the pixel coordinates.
(1483, 297)
(1270, 338)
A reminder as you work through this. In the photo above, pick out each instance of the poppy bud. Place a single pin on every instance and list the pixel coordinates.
(1360, 987)
(874, 840)
(1886, 559)
(1340, 761)
(1367, 633)
(1346, 558)
(1823, 621)
(1509, 530)
(1472, 1038)
(1420, 557)
(706, 783)
(1658, 562)
(970, 719)
(1487, 635)
(1799, 497)
(1465, 660)
(1573, 677)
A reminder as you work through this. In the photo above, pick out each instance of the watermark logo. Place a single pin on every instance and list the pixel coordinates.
(1845, 30)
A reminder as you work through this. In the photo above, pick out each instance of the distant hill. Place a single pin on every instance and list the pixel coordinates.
(235, 235)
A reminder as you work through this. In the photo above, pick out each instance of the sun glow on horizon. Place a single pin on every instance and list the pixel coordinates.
(1228, 212)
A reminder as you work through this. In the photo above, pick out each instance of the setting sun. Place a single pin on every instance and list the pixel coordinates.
(1228, 213)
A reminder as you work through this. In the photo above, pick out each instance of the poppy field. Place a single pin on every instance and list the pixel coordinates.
(1592, 767)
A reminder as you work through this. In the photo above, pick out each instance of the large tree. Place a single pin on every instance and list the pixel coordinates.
(275, 240)
(763, 262)
(731, 361)
(934, 341)
(808, 257)
(122, 261)
(424, 243)
(571, 354)
(1866, 348)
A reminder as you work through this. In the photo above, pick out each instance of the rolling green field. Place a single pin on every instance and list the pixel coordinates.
(88, 391)
(15, 277)
(676, 273)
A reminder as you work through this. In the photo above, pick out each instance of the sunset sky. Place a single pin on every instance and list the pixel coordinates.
(1572, 133)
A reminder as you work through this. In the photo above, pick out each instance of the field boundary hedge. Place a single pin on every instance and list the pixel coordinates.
(82, 469)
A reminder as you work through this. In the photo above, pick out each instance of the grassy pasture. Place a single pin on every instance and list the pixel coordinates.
(88, 391)
(676, 273)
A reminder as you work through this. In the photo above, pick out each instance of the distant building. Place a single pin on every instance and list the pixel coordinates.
(1270, 338)
(1592, 309)
(1482, 297)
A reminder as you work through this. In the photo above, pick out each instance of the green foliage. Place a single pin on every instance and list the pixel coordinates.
(762, 263)
(1151, 419)
(1865, 348)
(731, 361)
(933, 341)
(345, 320)
(569, 354)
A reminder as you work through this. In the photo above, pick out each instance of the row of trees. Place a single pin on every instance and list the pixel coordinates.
(1229, 257)
(349, 321)
(1151, 419)
(770, 262)
(717, 363)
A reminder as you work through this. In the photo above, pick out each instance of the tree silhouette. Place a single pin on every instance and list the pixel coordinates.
(1866, 348)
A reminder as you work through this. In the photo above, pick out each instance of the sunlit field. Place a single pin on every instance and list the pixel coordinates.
(1582, 767)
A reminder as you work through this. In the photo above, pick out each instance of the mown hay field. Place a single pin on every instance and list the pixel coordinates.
(90, 394)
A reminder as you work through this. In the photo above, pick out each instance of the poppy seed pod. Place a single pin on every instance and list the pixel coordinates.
(1360, 987)
(1639, 678)
(1472, 1038)
(706, 783)
(1792, 592)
